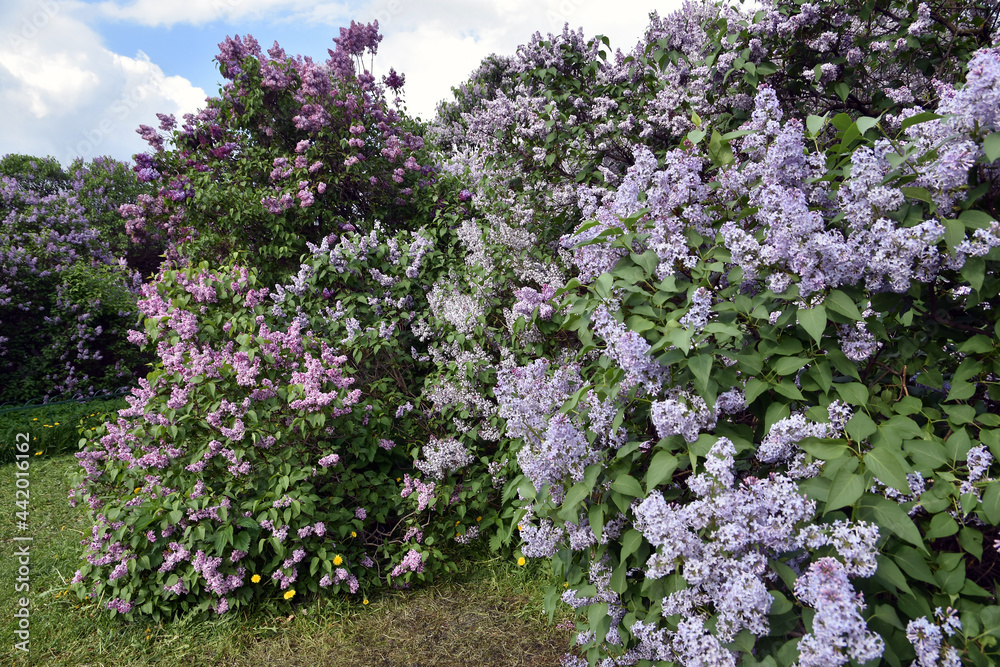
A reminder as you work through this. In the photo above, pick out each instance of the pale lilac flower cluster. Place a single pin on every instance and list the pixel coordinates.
(528, 299)
(442, 457)
(560, 451)
(927, 638)
(541, 541)
(119, 605)
(839, 633)
(685, 414)
(780, 442)
(855, 542)
(470, 535)
(719, 541)
(696, 317)
(630, 351)
(978, 461)
(340, 575)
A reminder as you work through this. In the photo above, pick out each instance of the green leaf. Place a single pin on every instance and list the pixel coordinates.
(846, 489)
(627, 486)
(788, 389)
(639, 324)
(866, 123)
(942, 525)
(914, 564)
(853, 393)
(991, 146)
(952, 579)
(954, 233)
(661, 469)
(826, 449)
(843, 304)
(972, 541)
(570, 509)
(890, 515)
(990, 617)
(701, 368)
(813, 321)
(631, 541)
(887, 571)
(842, 121)
(860, 426)
(789, 365)
(780, 604)
(603, 285)
(647, 260)
(814, 124)
(991, 503)
(918, 118)
(753, 389)
(596, 516)
(920, 194)
(618, 583)
(885, 465)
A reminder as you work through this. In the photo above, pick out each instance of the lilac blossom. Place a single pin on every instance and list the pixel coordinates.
(839, 633)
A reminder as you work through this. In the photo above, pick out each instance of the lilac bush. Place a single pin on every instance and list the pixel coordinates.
(283, 441)
(709, 325)
(773, 236)
(67, 293)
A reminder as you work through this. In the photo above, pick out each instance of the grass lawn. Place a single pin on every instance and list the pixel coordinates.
(489, 613)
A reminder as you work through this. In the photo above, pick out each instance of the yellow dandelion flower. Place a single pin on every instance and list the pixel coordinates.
(457, 522)
(38, 453)
(138, 489)
(255, 578)
(34, 419)
(365, 601)
(565, 584)
(479, 518)
(57, 423)
(521, 560)
(289, 594)
(338, 560)
(520, 527)
(354, 533)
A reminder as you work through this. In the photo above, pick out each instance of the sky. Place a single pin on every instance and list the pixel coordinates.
(77, 77)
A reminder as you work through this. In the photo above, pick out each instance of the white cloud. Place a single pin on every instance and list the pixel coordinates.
(65, 95)
(437, 45)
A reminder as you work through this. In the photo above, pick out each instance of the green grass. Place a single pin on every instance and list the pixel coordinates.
(54, 426)
(488, 613)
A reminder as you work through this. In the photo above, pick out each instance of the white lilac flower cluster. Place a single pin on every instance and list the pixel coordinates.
(839, 633)
(686, 414)
(978, 461)
(928, 638)
(441, 457)
(780, 443)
